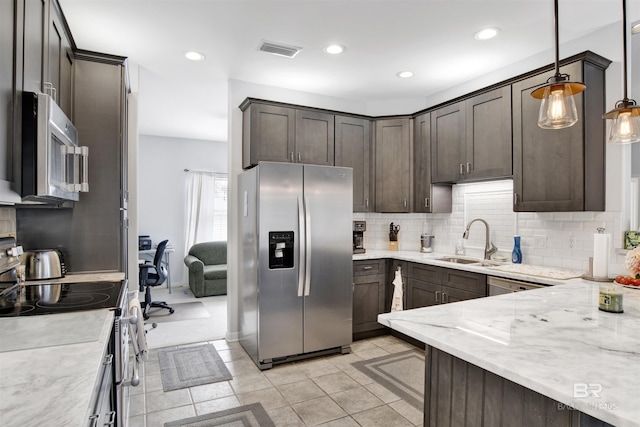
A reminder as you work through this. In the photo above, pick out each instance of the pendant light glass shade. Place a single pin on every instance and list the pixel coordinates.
(625, 128)
(558, 108)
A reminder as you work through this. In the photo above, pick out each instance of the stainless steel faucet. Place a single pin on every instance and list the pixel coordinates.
(489, 247)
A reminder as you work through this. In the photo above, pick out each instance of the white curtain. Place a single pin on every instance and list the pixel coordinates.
(200, 190)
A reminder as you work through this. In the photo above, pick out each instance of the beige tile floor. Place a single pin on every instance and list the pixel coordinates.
(324, 391)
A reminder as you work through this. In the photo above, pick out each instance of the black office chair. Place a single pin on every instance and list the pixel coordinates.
(152, 275)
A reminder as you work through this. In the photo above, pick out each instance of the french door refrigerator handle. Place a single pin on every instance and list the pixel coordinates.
(307, 250)
(301, 248)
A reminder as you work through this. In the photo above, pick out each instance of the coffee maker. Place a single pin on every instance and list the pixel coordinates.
(359, 227)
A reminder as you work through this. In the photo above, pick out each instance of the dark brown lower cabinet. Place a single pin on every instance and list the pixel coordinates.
(428, 285)
(368, 295)
(460, 394)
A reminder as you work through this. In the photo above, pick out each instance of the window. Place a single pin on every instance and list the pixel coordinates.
(220, 206)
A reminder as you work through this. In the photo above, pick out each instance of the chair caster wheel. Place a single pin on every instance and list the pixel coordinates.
(171, 311)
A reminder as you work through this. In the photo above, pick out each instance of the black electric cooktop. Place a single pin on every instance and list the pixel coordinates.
(52, 298)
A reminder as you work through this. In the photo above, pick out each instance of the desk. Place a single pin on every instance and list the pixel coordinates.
(148, 254)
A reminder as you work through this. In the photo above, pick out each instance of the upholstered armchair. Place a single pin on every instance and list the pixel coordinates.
(207, 265)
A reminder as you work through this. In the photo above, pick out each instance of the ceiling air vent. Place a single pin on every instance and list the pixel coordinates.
(279, 49)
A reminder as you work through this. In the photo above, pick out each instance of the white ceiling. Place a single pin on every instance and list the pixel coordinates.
(432, 38)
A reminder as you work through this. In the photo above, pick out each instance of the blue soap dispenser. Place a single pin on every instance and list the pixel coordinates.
(516, 255)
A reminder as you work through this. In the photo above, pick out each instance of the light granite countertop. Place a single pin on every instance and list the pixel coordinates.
(497, 270)
(54, 376)
(549, 340)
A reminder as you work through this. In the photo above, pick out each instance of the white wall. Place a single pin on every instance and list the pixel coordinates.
(162, 189)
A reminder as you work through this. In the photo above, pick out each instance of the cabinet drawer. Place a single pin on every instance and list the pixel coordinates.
(367, 267)
(428, 273)
(465, 281)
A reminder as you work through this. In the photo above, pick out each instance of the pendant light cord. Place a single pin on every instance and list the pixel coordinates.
(624, 47)
(557, 36)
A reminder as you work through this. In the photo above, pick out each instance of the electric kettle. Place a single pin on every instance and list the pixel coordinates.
(43, 264)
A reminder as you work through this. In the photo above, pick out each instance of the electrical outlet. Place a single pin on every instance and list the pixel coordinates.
(572, 242)
(540, 242)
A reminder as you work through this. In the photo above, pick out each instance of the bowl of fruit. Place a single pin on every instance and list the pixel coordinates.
(632, 264)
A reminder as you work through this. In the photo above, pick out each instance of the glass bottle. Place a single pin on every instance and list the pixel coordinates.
(516, 255)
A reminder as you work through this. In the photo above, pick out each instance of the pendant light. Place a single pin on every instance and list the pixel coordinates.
(558, 108)
(625, 128)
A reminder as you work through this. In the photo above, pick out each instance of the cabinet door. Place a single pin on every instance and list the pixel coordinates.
(422, 294)
(368, 302)
(465, 281)
(489, 140)
(314, 138)
(548, 163)
(268, 134)
(454, 295)
(7, 88)
(393, 167)
(59, 59)
(59, 62)
(427, 197)
(353, 149)
(35, 14)
(448, 142)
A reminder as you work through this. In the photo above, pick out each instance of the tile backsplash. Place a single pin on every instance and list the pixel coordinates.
(557, 239)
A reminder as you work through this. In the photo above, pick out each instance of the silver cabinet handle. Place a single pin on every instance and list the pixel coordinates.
(468, 168)
(515, 199)
(404, 203)
(366, 203)
(299, 158)
(426, 202)
(367, 267)
(437, 296)
(291, 156)
(84, 169)
(445, 298)
(461, 168)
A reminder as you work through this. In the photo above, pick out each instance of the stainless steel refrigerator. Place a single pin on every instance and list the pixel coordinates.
(295, 275)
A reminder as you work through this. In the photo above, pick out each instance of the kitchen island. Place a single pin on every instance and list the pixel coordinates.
(530, 357)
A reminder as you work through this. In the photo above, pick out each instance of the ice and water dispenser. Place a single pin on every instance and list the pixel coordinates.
(281, 249)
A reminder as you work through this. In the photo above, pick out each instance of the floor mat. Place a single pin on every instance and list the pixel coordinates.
(400, 373)
(191, 366)
(252, 415)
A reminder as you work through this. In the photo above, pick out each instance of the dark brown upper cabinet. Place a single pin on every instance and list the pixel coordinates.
(393, 165)
(278, 133)
(353, 149)
(558, 170)
(471, 139)
(428, 197)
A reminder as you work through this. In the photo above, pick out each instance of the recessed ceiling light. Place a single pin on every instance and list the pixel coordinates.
(334, 49)
(486, 33)
(404, 74)
(192, 55)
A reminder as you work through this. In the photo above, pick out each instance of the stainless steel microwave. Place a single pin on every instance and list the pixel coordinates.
(54, 167)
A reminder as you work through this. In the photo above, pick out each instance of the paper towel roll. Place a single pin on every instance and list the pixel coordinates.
(600, 255)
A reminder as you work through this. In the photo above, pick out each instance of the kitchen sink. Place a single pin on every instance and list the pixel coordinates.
(471, 261)
(460, 260)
